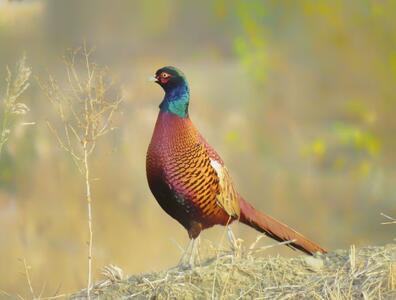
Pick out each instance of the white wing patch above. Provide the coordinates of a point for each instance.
(217, 166)
(227, 197)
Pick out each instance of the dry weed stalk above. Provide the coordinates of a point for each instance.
(86, 108)
(15, 87)
(29, 281)
(391, 219)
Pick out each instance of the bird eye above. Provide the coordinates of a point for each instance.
(165, 75)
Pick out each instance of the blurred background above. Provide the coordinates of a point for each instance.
(298, 97)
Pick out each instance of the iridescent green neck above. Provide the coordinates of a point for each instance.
(176, 100)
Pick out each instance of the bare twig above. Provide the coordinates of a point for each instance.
(5, 293)
(392, 220)
(86, 109)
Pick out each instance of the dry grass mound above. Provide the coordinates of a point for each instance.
(366, 273)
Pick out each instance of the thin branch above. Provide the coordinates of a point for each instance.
(86, 111)
(392, 220)
(5, 293)
(61, 143)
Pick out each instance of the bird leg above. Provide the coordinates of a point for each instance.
(194, 252)
(231, 239)
(235, 244)
(184, 255)
(189, 256)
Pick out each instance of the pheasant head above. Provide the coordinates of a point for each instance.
(177, 92)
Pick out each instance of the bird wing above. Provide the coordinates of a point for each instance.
(198, 177)
(227, 197)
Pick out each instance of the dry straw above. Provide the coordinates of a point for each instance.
(366, 273)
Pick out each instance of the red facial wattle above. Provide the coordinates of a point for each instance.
(164, 80)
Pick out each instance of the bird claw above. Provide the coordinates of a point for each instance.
(184, 267)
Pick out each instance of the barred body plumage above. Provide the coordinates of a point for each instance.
(181, 176)
(188, 178)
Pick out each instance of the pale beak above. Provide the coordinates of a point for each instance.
(153, 78)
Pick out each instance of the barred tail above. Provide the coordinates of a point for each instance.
(275, 229)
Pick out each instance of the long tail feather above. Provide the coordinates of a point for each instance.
(275, 229)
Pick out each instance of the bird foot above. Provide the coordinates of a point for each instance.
(184, 267)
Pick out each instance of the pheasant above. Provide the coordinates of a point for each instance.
(189, 179)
